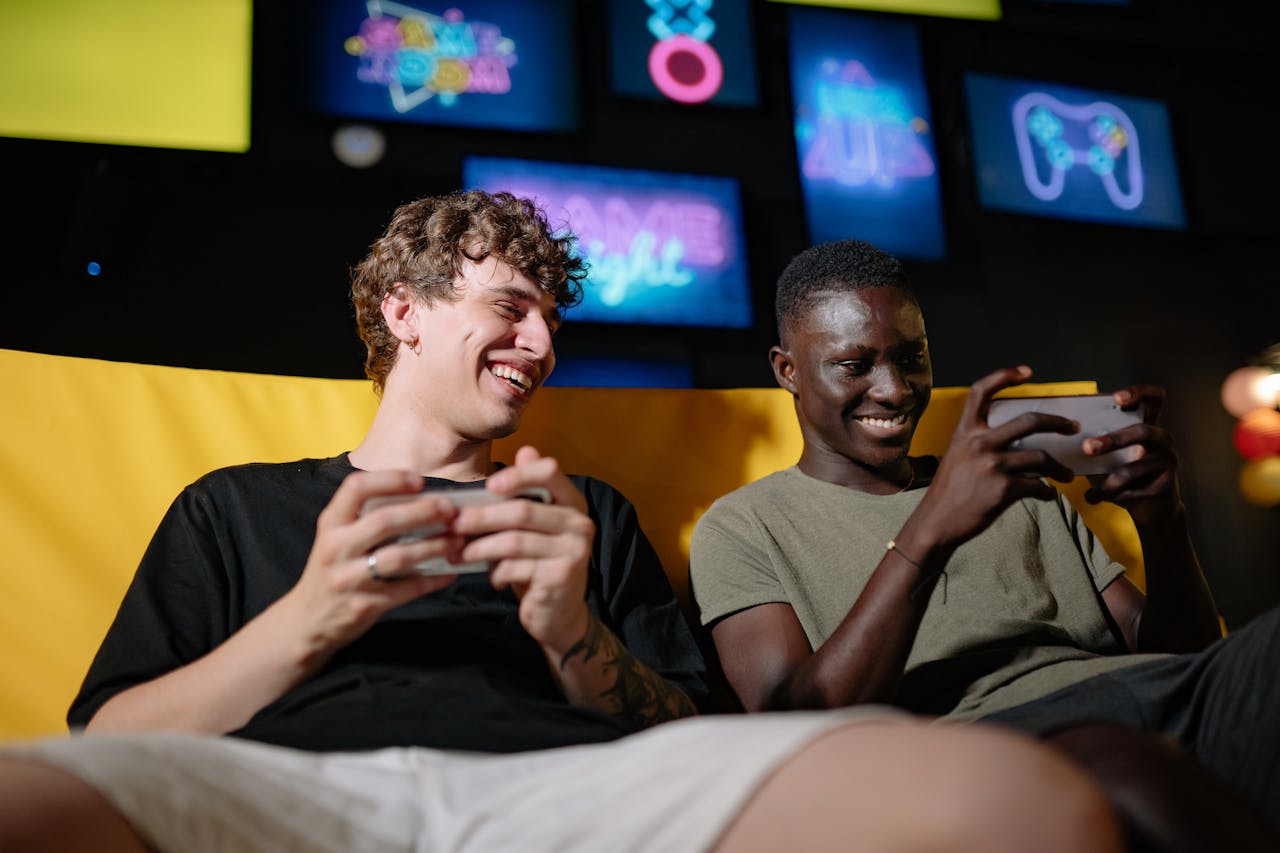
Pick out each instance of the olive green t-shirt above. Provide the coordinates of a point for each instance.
(1021, 617)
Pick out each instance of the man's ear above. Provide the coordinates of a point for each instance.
(784, 368)
(400, 311)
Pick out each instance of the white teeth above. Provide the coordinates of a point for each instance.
(503, 371)
(885, 423)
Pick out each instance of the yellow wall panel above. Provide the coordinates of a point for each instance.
(988, 10)
(166, 73)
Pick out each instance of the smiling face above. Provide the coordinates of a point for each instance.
(483, 354)
(858, 365)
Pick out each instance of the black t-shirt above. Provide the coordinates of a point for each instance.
(451, 670)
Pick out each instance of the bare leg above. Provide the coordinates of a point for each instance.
(1166, 800)
(914, 788)
(43, 808)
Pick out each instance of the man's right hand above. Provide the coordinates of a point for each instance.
(981, 474)
(357, 570)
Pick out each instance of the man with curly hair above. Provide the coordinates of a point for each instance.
(371, 706)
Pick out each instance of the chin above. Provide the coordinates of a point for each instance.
(504, 429)
(496, 426)
(494, 432)
(883, 457)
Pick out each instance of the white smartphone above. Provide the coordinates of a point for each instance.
(460, 497)
(1097, 414)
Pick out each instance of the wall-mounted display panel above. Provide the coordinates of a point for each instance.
(1078, 2)
(127, 72)
(663, 248)
(985, 10)
(690, 52)
(864, 136)
(508, 64)
(573, 370)
(1059, 151)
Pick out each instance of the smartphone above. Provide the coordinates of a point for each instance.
(460, 497)
(1097, 414)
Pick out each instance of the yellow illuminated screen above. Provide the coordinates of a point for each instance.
(987, 10)
(128, 72)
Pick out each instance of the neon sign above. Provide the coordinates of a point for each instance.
(1098, 135)
(632, 247)
(864, 143)
(1050, 150)
(863, 131)
(662, 248)
(418, 56)
(682, 64)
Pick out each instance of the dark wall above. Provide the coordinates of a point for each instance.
(239, 261)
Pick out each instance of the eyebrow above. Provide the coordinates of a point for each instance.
(526, 295)
(909, 345)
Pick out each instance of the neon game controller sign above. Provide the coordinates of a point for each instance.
(1054, 137)
(419, 56)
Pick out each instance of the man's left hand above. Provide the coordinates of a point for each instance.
(539, 550)
(1147, 486)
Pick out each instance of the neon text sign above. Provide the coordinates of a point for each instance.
(418, 56)
(863, 132)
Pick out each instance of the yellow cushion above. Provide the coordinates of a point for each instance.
(93, 452)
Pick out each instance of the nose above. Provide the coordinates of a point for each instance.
(533, 335)
(888, 386)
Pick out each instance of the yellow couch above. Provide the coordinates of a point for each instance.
(92, 452)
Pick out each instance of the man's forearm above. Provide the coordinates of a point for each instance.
(600, 672)
(864, 658)
(219, 692)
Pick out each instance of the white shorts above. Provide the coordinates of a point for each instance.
(675, 787)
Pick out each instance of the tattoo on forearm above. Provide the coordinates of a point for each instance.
(637, 693)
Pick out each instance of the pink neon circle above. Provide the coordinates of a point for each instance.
(673, 88)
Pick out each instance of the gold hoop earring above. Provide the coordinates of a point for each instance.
(416, 347)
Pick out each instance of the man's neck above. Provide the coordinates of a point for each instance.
(398, 441)
(840, 470)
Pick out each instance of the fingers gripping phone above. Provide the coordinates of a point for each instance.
(1097, 414)
(462, 497)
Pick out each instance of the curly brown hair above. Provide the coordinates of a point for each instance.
(427, 242)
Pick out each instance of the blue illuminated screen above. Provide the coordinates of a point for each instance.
(1072, 153)
(864, 137)
(609, 372)
(684, 51)
(486, 63)
(663, 248)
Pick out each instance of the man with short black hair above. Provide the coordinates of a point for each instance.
(968, 587)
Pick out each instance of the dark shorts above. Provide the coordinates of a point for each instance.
(1222, 705)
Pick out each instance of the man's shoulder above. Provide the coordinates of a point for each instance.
(263, 477)
(787, 480)
(593, 486)
(603, 498)
(755, 497)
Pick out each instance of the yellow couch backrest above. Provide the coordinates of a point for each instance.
(92, 452)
